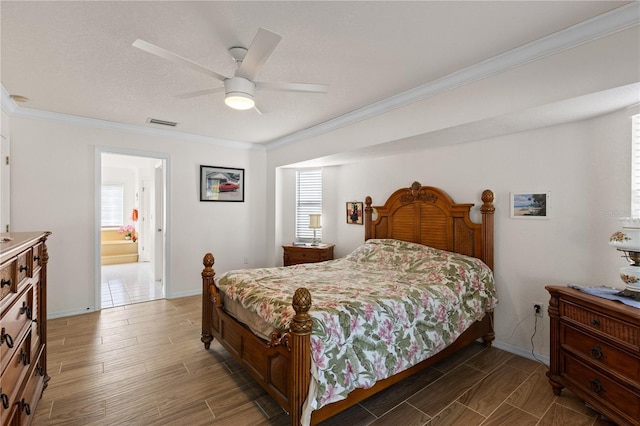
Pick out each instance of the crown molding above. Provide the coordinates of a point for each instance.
(600, 26)
(15, 110)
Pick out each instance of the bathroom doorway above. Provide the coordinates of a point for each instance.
(132, 229)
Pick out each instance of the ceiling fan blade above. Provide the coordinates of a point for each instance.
(261, 48)
(293, 87)
(199, 93)
(177, 59)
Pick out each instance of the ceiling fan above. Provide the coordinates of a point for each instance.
(239, 88)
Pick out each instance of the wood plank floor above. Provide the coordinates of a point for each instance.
(144, 364)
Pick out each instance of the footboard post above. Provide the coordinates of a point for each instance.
(300, 367)
(208, 275)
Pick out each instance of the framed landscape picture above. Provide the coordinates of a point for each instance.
(221, 184)
(531, 205)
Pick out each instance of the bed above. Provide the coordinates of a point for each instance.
(286, 362)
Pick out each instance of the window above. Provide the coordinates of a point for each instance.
(635, 166)
(308, 201)
(112, 205)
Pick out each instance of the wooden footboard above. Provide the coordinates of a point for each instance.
(282, 366)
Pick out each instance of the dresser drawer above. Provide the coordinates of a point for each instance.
(15, 323)
(24, 267)
(599, 352)
(7, 278)
(28, 401)
(37, 257)
(612, 327)
(15, 371)
(602, 389)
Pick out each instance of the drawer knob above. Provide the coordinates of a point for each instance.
(4, 337)
(5, 283)
(5, 399)
(595, 322)
(25, 406)
(39, 370)
(36, 258)
(596, 386)
(24, 268)
(596, 352)
(25, 309)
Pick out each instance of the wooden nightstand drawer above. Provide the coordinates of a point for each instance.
(597, 321)
(599, 352)
(294, 255)
(600, 387)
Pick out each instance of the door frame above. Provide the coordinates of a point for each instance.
(166, 266)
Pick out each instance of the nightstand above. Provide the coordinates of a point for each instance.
(595, 352)
(294, 255)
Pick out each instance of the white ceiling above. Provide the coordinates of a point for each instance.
(76, 57)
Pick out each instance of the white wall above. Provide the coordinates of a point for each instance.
(53, 189)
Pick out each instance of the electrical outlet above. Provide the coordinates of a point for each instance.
(537, 308)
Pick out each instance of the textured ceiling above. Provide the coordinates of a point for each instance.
(76, 57)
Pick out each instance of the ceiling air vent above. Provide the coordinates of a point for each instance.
(162, 122)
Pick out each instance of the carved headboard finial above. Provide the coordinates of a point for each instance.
(416, 194)
(487, 201)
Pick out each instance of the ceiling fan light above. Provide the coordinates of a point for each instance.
(239, 101)
(239, 93)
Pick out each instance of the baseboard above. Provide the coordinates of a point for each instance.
(183, 294)
(54, 315)
(525, 353)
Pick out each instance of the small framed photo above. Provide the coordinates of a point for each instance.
(354, 212)
(531, 205)
(221, 184)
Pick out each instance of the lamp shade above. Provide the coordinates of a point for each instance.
(315, 221)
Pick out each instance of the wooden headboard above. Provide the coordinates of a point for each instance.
(427, 215)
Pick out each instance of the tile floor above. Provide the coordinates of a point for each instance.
(144, 364)
(129, 283)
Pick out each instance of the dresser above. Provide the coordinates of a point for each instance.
(293, 255)
(23, 313)
(595, 352)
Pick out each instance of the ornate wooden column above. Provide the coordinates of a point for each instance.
(487, 209)
(300, 367)
(208, 275)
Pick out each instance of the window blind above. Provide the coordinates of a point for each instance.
(635, 166)
(308, 201)
(112, 205)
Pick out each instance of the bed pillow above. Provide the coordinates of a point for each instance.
(401, 255)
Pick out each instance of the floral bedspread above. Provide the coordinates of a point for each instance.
(385, 307)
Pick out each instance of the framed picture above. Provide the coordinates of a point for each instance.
(531, 205)
(354, 212)
(221, 184)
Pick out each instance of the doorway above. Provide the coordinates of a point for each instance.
(131, 222)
